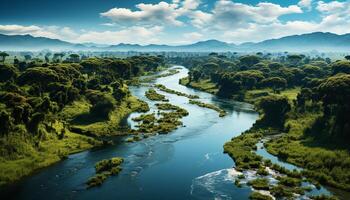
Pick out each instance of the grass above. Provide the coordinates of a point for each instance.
(167, 122)
(151, 94)
(259, 196)
(111, 125)
(165, 89)
(241, 150)
(253, 96)
(325, 165)
(203, 85)
(104, 169)
(259, 184)
(154, 77)
(30, 157)
(221, 112)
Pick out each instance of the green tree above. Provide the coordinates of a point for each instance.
(276, 83)
(274, 109)
(8, 73)
(249, 61)
(341, 67)
(3, 56)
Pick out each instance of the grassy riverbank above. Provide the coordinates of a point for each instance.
(50, 110)
(204, 85)
(221, 112)
(53, 148)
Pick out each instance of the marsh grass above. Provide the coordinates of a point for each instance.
(170, 91)
(221, 112)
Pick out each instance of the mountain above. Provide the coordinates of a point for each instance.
(298, 43)
(28, 42)
(306, 42)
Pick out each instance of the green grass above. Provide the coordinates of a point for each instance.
(326, 165)
(203, 85)
(221, 112)
(151, 94)
(110, 126)
(241, 150)
(252, 96)
(259, 184)
(104, 169)
(259, 196)
(165, 89)
(29, 158)
(167, 121)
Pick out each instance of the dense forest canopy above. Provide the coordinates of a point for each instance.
(322, 82)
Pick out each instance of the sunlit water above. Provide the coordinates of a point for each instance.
(187, 163)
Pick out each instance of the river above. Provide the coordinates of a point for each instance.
(187, 163)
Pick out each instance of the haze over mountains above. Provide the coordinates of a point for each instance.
(306, 42)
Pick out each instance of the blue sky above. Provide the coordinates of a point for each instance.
(171, 21)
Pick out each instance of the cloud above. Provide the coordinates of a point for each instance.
(135, 34)
(18, 29)
(305, 4)
(228, 14)
(333, 7)
(55, 32)
(148, 14)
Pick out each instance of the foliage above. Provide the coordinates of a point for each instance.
(221, 112)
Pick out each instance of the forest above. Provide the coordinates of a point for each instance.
(52, 107)
(303, 106)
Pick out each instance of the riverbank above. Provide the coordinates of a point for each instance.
(292, 146)
(75, 138)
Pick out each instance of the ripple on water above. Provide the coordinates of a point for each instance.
(218, 185)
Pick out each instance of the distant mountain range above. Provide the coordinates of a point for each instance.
(306, 42)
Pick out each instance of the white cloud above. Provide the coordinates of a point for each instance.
(135, 34)
(148, 14)
(305, 4)
(228, 14)
(18, 29)
(332, 7)
(55, 32)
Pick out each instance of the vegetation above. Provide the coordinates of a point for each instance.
(303, 99)
(259, 184)
(221, 112)
(259, 196)
(151, 94)
(164, 123)
(52, 108)
(165, 89)
(104, 169)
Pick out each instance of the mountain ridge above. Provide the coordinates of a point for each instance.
(321, 41)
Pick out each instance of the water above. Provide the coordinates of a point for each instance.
(187, 163)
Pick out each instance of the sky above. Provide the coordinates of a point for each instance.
(171, 21)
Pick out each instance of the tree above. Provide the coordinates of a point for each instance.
(294, 60)
(249, 61)
(6, 122)
(3, 56)
(7, 72)
(276, 83)
(122, 68)
(57, 57)
(47, 57)
(341, 67)
(274, 109)
(74, 57)
(27, 57)
(347, 57)
(38, 75)
(335, 94)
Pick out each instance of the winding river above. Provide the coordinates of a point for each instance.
(187, 163)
